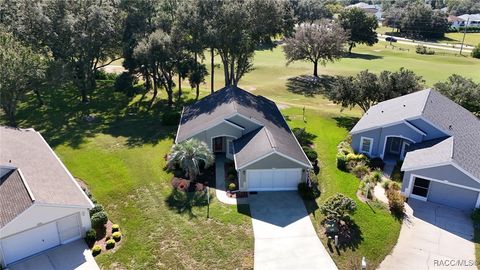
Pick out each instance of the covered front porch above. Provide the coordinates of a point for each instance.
(395, 148)
(223, 145)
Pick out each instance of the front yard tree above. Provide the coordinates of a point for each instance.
(318, 43)
(338, 207)
(190, 155)
(20, 70)
(367, 89)
(360, 26)
(463, 91)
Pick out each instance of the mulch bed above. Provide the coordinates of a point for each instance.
(108, 235)
(187, 185)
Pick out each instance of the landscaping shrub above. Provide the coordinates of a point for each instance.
(311, 154)
(345, 148)
(110, 244)
(115, 228)
(360, 170)
(170, 118)
(476, 51)
(366, 188)
(386, 184)
(231, 177)
(394, 185)
(97, 208)
(342, 162)
(117, 236)
(232, 186)
(338, 207)
(396, 202)
(125, 84)
(374, 177)
(308, 193)
(476, 215)
(376, 163)
(232, 170)
(99, 220)
(90, 237)
(356, 157)
(420, 49)
(96, 250)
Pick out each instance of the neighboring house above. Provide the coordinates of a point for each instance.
(375, 10)
(438, 139)
(469, 20)
(251, 131)
(455, 22)
(41, 204)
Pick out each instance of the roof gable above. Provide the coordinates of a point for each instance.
(14, 196)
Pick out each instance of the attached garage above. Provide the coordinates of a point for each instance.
(273, 179)
(30, 242)
(432, 190)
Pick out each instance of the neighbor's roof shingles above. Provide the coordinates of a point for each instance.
(48, 180)
(14, 196)
(275, 135)
(453, 119)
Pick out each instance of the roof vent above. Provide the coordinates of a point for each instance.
(9, 161)
(450, 127)
(382, 111)
(404, 105)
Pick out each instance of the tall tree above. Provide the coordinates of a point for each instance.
(20, 71)
(310, 11)
(241, 26)
(463, 91)
(82, 35)
(360, 26)
(367, 89)
(419, 20)
(318, 43)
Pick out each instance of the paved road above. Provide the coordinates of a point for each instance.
(431, 235)
(466, 49)
(284, 235)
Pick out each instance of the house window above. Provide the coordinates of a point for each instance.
(366, 145)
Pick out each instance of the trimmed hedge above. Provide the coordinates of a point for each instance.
(232, 186)
(342, 162)
(308, 193)
(99, 220)
(90, 237)
(96, 250)
(310, 153)
(97, 208)
(117, 236)
(110, 244)
(115, 228)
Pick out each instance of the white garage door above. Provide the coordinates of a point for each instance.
(69, 228)
(273, 179)
(27, 243)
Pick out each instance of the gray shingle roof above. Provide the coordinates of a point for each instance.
(429, 152)
(14, 197)
(459, 123)
(48, 180)
(275, 135)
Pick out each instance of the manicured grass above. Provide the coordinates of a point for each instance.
(121, 157)
(378, 229)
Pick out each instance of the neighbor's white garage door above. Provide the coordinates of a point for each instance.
(27, 243)
(273, 179)
(36, 240)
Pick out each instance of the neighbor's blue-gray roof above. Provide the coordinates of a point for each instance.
(461, 125)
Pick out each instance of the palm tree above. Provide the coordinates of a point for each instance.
(188, 155)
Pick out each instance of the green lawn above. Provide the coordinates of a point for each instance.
(120, 156)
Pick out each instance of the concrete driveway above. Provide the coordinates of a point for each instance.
(75, 255)
(433, 237)
(284, 235)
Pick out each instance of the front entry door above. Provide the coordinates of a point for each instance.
(218, 145)
(405, 145)
(395, 144)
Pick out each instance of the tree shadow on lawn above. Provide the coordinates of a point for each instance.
(362, 56)
(349, 238)
(64, 119)
(346, 122)
(183, 202)
(309, 85)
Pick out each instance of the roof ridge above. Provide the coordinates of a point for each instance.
(270, 138)
(426, 100)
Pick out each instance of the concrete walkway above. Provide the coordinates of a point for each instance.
(433, 237)
(220, 189)
(388, 168)
(284, 235)
(75, 255)
(379, 193)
